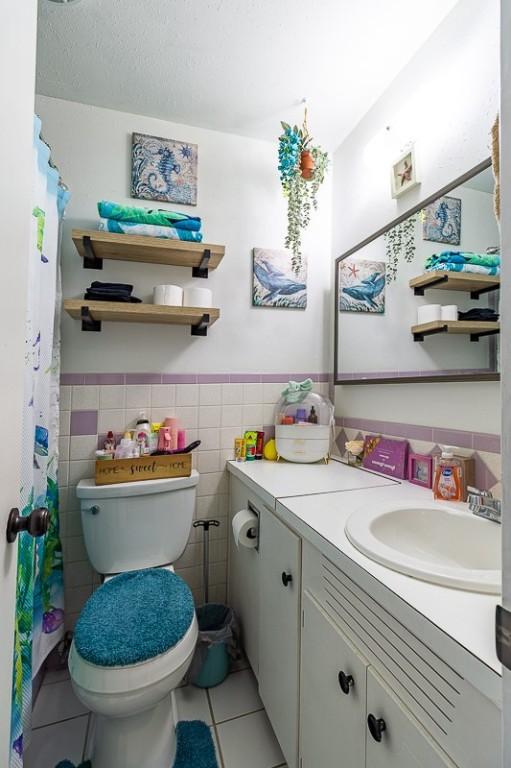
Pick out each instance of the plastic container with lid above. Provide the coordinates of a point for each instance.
(303, 428)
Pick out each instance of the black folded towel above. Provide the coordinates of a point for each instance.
(482, 314)
(119, 287)
(100, 296)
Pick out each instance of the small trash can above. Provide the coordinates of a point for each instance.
(218, 630)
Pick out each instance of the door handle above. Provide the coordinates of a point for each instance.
(346, 682)
(36, 523)
(376, 726)
(286, 578)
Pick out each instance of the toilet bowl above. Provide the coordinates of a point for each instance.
(136, 635)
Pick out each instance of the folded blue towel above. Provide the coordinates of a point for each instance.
(149, 230)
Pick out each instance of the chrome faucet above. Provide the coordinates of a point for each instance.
(482, 504)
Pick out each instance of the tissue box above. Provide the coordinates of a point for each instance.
(390, 457)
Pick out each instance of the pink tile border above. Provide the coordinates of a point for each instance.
(69, 379)
(478, 441)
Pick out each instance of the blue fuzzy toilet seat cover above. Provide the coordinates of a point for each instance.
(134, 617)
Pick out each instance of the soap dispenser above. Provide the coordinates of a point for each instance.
(447, 485)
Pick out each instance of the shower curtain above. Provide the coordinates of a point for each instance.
(39, 620)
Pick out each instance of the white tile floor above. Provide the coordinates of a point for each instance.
(240, 728)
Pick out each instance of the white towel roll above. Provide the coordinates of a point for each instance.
(197, 297)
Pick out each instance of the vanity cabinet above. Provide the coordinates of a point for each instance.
(333, 694)
(279, 629)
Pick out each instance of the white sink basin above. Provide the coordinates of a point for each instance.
(433, 543)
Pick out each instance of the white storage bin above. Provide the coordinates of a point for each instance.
(303, 429)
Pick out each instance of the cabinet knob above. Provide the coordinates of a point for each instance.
(286, 578)
(346, 682)
(36, 523)
(376, 727)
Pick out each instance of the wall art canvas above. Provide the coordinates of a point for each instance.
(404, 176)
(274, 283)
(362, 286)
(163, 169)
(441, 221)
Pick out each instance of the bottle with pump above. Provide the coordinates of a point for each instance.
(447, 485)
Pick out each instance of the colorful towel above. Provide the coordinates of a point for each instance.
(149, 230)
(477, 269)
(462, 257)
(158, 217)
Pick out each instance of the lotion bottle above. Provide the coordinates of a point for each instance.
(447, 485)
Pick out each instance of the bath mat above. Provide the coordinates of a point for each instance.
(195, 747)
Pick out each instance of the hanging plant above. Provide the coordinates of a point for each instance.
(302, 169)
(399, 243)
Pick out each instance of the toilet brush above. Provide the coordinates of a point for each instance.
(205, 524)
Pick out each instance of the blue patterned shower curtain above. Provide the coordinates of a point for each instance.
(39, 621)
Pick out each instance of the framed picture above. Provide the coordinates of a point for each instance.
(274, 283)
(404, 173)
(420, 470)
(441, 221)
(362, 286)
(163, 169)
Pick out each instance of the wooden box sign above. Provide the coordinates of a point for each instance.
(143, 468)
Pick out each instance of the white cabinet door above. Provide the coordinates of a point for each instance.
(395, 738)
(244, 578)
(333, 695)
(279, 630)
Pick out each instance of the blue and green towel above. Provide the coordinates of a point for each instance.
(464, 261)
(134, 220)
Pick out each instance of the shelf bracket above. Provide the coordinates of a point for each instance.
(477, 336)
(202, 269)
(481, 291)
(419, 291)
(420, 336)
(88, 322)
(201, 328)
(90, 260)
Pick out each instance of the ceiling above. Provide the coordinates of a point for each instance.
(238, 66)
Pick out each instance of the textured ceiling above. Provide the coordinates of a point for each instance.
(232, 65)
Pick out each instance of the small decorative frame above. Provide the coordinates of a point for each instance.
(404, 175)
(420, 470)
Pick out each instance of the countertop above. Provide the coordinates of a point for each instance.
(316, 502)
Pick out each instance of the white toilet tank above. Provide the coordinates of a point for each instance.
(130, 526)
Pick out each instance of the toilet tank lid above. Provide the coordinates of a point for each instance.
(87, 488)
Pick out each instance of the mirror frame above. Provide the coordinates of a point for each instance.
(338, 380)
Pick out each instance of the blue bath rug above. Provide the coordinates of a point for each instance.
(195, 747)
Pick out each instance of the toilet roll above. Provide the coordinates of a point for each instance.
(174, 295)
(159, 294)
(428, 313)
(245, 529)
(197, 297)
(450, 312)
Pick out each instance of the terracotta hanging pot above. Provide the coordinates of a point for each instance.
(307, 164)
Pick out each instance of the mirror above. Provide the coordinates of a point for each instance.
(402, 296)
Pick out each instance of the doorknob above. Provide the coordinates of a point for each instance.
(376, 726)
(286, 578)
(346, 682)
(36, 523)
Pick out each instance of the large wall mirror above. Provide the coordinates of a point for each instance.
(418, 301)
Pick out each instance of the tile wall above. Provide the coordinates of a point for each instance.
(213, 408)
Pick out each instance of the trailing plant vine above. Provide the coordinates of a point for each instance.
(399, 243)
(301, 191)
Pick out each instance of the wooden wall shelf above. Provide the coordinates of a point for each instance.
(93, 313)
(475, 330)
(95, 245)
(441, 280)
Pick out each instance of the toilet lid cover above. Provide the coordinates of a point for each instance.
(134, 617)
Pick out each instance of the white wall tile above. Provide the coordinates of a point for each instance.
(63, 473)
(268, 414)
(83, 447)
(79, 470)
(208, 461)
(114, 420)
(73, 550)
(188, 416)
(65, 398)
(252, 414)
(211, 483)
(160, 414)
(112, 396)
(163, 395)
(228, 436)
(187, 394)
(210, 394)
(78, 575)
(232, 394)
(210, 415)
(64, 448)
(138, 396)
(75, 597)
(272, 392)
(70, 525)
(207, 506)
(210, 439)
(85, 398)
(231, 415)
(65, 422)
(252, 393)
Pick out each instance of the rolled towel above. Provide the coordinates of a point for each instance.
(149, 230)
(137, 215)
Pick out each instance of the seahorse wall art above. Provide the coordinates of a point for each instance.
(164, 170)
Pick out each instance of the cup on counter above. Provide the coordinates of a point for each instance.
(197, 297)
(168, 295)
(449, 312)
(429, 313)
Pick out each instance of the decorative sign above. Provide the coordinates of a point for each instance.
(143, 468)
(386, 456)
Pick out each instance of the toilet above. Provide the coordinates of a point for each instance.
(136, 635)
